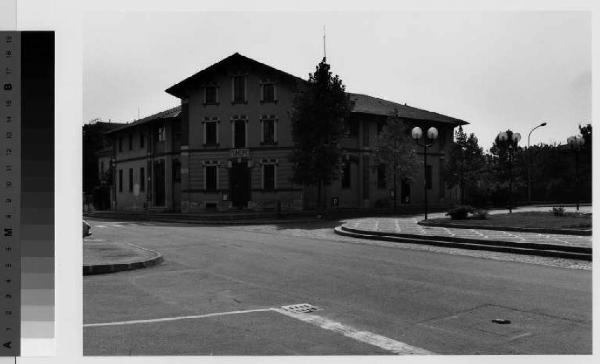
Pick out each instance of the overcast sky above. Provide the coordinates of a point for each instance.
(496, 70)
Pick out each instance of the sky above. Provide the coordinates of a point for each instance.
(495, 70)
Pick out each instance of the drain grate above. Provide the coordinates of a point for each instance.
(301, 308)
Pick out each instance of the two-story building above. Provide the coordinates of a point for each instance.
(227, 147)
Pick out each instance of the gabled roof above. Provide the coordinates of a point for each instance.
(375, 106)
(170, 113)
(179, 89)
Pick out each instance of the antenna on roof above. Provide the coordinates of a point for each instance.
(138, 113)
(324, 45)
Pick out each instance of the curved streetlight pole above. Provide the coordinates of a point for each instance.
(428, 139)
(513, 141)
(529, 161)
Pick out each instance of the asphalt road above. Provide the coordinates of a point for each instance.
(372, 298)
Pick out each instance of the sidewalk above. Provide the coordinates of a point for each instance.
(407, 230)
(100, 257)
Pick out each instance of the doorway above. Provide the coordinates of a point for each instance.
(159, 183)
(239, 182)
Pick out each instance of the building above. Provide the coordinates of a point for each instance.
(97, 152)
(227, 145)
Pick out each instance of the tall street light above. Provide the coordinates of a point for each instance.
(576, 142)
(529, 162)
(513, 140)
(427, 141)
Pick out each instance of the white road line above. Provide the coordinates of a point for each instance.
(367, 337)
(177, 318)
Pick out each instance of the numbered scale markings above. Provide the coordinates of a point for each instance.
(10, 256)
(26, 193)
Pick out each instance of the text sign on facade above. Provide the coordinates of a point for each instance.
(240, 153)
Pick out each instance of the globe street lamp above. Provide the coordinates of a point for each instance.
(427, 141)
(576, 142)
(513, 140)
(529, 162)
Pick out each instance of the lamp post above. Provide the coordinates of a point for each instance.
(513, 140)
(576, 142)
(529, 161)
(428, 139)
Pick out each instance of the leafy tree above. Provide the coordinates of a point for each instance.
(465, 163)
(396, 150)
(586, 133)
(506, 160)
(318, 124)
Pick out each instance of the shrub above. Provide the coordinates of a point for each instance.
(480, 214)
(459, 212)
(558, 211)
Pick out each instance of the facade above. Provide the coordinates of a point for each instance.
(227, 146)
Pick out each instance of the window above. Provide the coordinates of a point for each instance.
(268, 135)
(268, 92)
(120, 144)
(130, 179)
(442, 137)
(380, 125)
(211, 178)
(269, 177)
(428, 176)
(210, 95)
(381, 177)
(353, 128)
(120, 180)
(130, 141)
(160, 134)
(176, 172)
(142, 140)
(346, 175)
(239, 133)
(239, 89)
(101, 168)
(210, 133)
(142, 179)
(365, 134)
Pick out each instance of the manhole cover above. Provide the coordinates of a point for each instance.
(493, 321)
(301, 308)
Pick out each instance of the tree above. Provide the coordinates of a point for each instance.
(318, 124)
(508, 168)
(465, 163)
(396, 150)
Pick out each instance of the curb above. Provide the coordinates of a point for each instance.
(93, 269)
(578, 232)
(545, 250)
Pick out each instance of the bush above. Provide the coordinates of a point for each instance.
(459, 212)
(480, 214)
(558, 211)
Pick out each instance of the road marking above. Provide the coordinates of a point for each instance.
(176, 318)
(367, 337)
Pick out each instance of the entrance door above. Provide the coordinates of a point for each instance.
(405, 194)
(239, 182)
(159, 183)
(176, 178)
